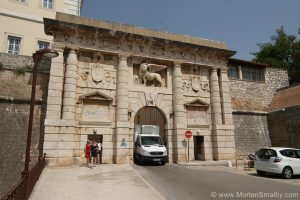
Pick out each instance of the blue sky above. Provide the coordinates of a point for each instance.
(241, 24)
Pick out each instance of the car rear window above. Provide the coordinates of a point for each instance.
(291, 153)
(266, 153)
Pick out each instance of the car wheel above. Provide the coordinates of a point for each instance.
(163, 163)
(261, 173)
(287, 173)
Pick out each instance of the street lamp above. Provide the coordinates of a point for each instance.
(37, 57)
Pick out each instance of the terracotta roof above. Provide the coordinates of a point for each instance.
(286, 97)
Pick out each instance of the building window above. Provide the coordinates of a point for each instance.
(43, 45)
(13, 45)
(21, 1)
(253, 74)
(47, 4)
(233, 72)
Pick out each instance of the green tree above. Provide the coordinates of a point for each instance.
(283, 51)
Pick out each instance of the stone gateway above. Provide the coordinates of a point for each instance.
(110, 77)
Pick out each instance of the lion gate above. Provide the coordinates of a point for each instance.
(107, 72)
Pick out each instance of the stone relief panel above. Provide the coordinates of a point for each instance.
(149, 74)
(96, 75)
(150, 98)
(95, 111)
(196, 115)
(195, 81)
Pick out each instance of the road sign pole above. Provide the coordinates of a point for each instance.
(188, 149)
(188, 135)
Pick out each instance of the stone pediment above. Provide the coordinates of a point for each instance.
(197, 103)
(95, 96)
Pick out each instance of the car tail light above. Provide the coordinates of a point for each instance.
(277, 160)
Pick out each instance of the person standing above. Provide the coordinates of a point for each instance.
(99, 153)
(87, 151)
(94, 152)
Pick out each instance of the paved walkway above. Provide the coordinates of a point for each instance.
(103, 182)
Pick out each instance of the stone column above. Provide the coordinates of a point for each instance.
(70, 84)
(215, 111)
(122, 123)
(55, 87)
(226, 98)
(215, 98)
(179, 118)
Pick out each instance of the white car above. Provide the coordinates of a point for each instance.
(279, 160)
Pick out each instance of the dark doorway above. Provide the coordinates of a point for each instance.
(98, 139)
(199, 147)
(151, 116)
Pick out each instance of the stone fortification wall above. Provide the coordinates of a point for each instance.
(257, 96)
(251, 132)
(284, 127)
(15, 84)
(251, 101)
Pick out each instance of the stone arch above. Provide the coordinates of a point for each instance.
(151, 115)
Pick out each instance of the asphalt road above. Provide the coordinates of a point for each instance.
(187, 183)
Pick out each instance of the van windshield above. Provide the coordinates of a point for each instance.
(151, 140)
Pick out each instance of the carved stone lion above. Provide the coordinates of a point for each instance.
(147, 72)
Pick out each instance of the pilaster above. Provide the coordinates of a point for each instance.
(70, 85)
(179, 118)
(121, 154)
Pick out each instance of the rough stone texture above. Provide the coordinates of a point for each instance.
(251, 132)
(286, 97)
(14, 111)
(257, 96)
(284, 126)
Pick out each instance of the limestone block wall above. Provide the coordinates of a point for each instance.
(257, 96)
(15, 84)
(253, 99)
(103, 124)
(284, 126)
(251, 132)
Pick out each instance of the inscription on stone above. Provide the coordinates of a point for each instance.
(95, 112)
(197, 115)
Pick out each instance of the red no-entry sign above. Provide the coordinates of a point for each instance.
(188, 134)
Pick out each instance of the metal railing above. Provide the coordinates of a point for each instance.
(22, 190)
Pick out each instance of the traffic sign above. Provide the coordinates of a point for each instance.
(188, 134)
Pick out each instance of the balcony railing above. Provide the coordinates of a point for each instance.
(22, 190)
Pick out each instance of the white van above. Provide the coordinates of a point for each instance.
(149, 146)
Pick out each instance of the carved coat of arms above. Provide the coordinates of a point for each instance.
(196, 85)
(97, 73)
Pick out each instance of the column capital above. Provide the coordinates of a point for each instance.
(214, 69)
(71, 49)
(224, 69)
(177, 63)
(123, 55)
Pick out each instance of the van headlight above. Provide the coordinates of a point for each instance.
(165, 153)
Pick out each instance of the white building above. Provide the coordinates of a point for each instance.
(21, 22)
